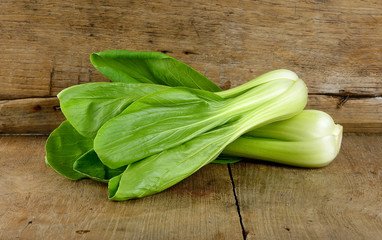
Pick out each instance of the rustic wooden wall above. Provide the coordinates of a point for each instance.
(335, 46)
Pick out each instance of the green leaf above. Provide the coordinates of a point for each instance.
(226, 159)
(72, 155)
(90, 165)
(162, 170)
(89, 106)
(113, 184)
(63, 147)
(149, 67)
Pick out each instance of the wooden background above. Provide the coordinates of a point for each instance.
(335, 46)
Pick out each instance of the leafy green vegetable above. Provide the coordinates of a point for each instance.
(159, 122)
(173, 116)
(164, 169)
(149, 67)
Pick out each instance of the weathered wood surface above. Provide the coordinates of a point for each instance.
(340, 201)
(335, 46)
(354, 114)
(31, 115)
(38, 203)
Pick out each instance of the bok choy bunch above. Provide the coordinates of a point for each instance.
(159, 121)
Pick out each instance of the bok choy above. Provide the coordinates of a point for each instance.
(159, 121)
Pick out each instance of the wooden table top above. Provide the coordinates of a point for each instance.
(246, 200)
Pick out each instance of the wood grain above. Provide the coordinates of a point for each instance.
(354, 114)
(31, 115)
(42, 115)
(340, 201)
(38, 203)
(333, 45)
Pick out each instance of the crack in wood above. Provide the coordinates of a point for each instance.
(340, 95)
(51, 80)
(244, 233)
(26, 98)
(352, 95)
(343, 101)
(344, 96)
(355, 114)
(165, 51)
(189, 52)
(193, 25)
(82, 231)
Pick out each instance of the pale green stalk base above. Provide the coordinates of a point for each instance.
(310, 139)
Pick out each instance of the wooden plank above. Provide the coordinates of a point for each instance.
(31, 115)
(41, 115)
(340, 201)
(334, 46)
(354, 114)
(38, 203)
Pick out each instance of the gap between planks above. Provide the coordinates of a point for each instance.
(42, 115)
(244, 233)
